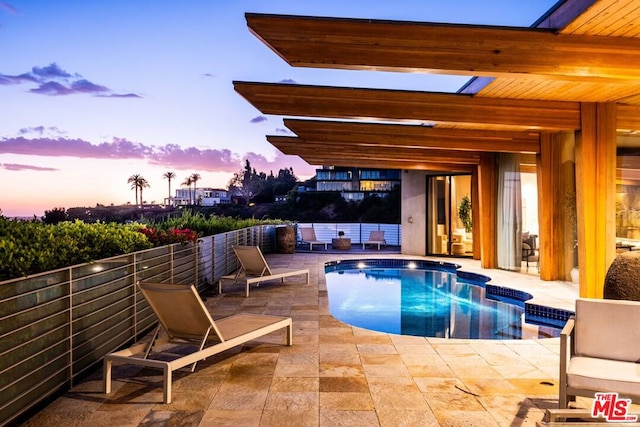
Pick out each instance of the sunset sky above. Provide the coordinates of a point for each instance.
(92, 92)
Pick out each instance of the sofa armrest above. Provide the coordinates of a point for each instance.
(567, 338)
(567, 347)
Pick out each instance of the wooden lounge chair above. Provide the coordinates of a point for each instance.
(599, 350)
(254, 269)
(309, 236)
(186, 320)
(375, 238)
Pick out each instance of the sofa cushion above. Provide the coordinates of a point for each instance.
(608, 329)
(604, 375)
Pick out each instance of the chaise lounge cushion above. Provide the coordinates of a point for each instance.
(604, 375)
(608, 331)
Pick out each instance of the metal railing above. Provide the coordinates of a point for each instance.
(357, 232)
(55, 327)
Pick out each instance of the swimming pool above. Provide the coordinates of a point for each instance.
(433, 299)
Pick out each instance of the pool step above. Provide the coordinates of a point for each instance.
(513, 331)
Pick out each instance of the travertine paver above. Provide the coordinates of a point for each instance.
(334, 374)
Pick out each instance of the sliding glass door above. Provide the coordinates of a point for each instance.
(449, 215)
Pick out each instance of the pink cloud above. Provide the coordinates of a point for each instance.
(170, 155)
(19, 167)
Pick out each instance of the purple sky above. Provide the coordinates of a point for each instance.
(93, 92)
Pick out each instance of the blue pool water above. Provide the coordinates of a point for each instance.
(430, 299)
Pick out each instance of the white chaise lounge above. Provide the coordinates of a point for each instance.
(254, 269)
(184, 320)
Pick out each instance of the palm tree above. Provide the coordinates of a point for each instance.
(194, 179)
(133, 180)
(169, 175)
(187, 182)
(142, 183)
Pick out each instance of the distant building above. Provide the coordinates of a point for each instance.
(357, 183)
(203, 197)
(306, 186)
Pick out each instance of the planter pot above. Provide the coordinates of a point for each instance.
(286, 239)
(341, 243)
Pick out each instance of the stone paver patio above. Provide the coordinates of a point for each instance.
(334, 374)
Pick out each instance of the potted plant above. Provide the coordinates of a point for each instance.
(341, 242)
(464, 213)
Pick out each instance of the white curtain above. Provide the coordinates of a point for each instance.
(509, 230)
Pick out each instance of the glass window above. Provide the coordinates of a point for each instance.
(628, 192)
(375, 174)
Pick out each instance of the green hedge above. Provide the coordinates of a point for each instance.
(29, 247)
(208, 225)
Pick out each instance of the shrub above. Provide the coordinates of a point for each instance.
(173, 235)
(207, 225)
(29, 247)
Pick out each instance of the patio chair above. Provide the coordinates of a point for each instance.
(185, 320)
(530, 249)
(600, 350)
(254, 269)
(375, 238)
(309, 236)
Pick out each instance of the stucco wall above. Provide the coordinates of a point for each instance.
(414, 208)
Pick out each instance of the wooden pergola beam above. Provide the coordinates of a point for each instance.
(388, 164)
(413, 136)
(397, 105)
(297, 146)
(471, 50)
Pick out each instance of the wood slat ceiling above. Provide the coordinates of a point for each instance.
(618, 20)
(505, 87)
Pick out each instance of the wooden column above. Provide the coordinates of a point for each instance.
(487, 193)
(595, 195)
(556, 204)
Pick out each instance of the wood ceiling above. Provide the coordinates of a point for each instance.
(531, 80)
(617, 20)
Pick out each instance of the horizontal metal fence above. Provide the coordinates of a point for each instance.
(56, 327)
